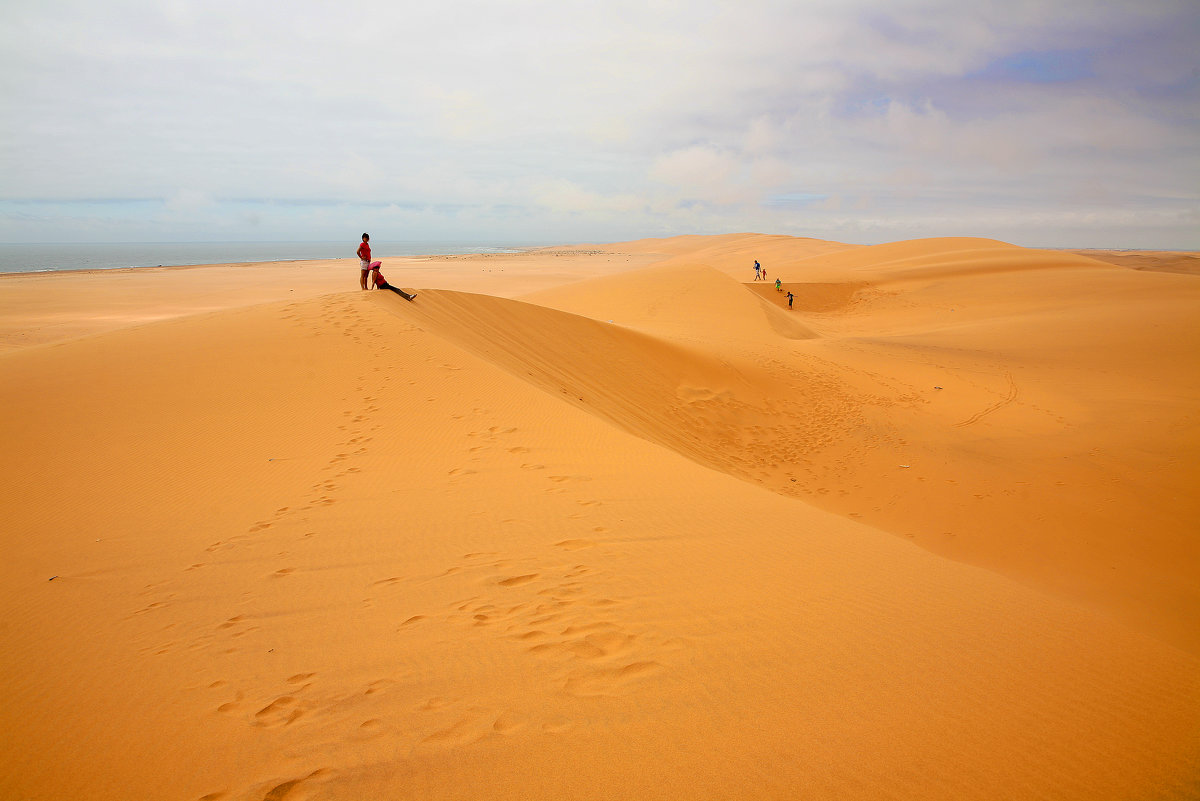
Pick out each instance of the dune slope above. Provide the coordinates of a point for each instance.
(1020, 410)
(350, 547)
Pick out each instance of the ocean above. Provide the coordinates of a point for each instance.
(38, 257)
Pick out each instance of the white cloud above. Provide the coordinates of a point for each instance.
(570, 120)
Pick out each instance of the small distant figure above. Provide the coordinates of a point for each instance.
(379, 282)
(778, 285)
(790, 298)
(364, 259)
(757, 271)
(764, 273)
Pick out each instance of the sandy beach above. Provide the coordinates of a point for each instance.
(606, 521)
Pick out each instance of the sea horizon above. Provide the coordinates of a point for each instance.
(37, 257)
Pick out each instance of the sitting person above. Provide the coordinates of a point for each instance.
(379, 282)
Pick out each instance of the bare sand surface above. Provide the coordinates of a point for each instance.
(605, 522)
(1186, 262)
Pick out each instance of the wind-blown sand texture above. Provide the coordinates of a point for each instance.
(605, 522)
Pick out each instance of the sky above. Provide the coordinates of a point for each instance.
(1073, 123)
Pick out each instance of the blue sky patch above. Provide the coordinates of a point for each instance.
(1047, 66)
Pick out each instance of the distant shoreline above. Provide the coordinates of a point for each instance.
(33, 258)
(1185, 262)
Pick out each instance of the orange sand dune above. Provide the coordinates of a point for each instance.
(1019, 409)
(1186, 262)
(48, 307)
(341, 546)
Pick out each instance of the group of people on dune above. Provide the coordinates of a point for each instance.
(372, 267)
(760, 274)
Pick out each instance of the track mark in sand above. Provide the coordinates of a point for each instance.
(229, 707)
(555, 614)
(575, 545)
(608, 681)
(516, 581)
(297, 697)
(237, 626)
(477, 724)
(1000, 404)
(153, 606)
(283, 790)
(222, 545)
(283, 711)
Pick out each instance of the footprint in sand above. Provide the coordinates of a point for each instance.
(229, 707)
(575, 545)
(282, 790)
(283, 711)
(586, 682)
(369, 729)
(476, 725)
(517, 581)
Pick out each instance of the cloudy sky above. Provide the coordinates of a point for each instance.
(1072, 123)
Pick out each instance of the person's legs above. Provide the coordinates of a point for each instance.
(400, 292)
(365, 268)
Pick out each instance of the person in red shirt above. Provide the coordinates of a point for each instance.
(364, 259)
(379, 282)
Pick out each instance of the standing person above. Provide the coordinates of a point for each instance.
(757, 271)
(364, 259)
(790, 296)
(778, 285)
